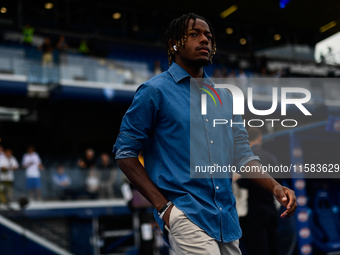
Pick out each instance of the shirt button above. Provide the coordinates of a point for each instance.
(217, 187)
(211, 141)
(206, 120)
(220, 208)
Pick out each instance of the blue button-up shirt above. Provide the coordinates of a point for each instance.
(165, 121)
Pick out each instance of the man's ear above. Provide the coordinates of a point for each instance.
(171, 44)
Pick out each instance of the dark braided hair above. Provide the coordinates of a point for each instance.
(177, 31)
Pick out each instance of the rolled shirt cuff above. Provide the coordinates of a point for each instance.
(126, 147)
(245, 160)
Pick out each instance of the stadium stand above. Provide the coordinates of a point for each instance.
(79, 100)
(325, 222)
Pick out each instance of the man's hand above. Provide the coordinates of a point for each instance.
(166, 216)
(287, 198)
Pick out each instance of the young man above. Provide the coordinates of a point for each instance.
(32, 163)
(8, 164)
(87, 162)
(62, 182)
(198, 215)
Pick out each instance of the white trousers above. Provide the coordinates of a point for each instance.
(186, 238)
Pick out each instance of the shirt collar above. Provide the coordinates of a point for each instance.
(178, 73)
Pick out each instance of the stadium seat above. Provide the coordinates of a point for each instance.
(325, 223)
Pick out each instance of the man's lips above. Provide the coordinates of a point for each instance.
(204, 49)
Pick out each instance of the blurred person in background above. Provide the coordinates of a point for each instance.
(32, 163)
(27, 32)
(83, 48)
(261, 222)
(264, 72)
(87, 162)
(217, 73)
(47, 52)
(108, 175)
(1, 151)
(62, 182)
(242, 74)
(92, 184)
(197, 216)
(62, 45)
(242, 80)
(224, 72)
(232, 74)
(8, 164)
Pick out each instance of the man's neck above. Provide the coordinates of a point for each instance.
(195, 72)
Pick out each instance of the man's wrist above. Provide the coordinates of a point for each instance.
(276, 186)
(163, 209)
(162, 213)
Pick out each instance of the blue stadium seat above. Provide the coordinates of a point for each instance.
(325, 223)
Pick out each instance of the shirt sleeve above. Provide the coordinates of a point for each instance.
(242, 151)
(2, 162)
(38, 159)
(137, 123)
(24, 161)
(15, 163)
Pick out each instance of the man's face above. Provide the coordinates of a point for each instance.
(105, 157)
(89, 154)
(8, 153)
(197, 48)
(61, 170)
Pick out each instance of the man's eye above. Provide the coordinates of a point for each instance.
(209, 38)
(193, 34)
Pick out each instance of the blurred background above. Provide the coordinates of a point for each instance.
(68, 73)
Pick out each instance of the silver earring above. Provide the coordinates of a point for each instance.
(175, 47)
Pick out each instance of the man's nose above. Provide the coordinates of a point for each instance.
(204, 39)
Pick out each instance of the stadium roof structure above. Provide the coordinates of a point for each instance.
(310, 15)
(318, 140)
(297, 22)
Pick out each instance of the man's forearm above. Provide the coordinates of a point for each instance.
(138, 176)
(284, 195)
